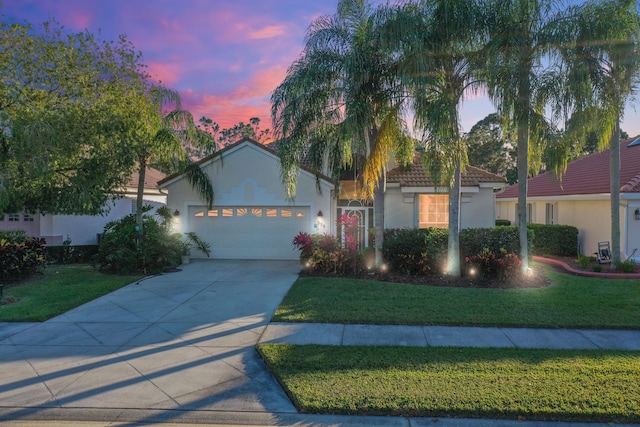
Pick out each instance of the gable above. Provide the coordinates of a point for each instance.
(246, 162)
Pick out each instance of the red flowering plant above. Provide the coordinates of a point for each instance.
(484, 262)
(349, 224)
(304, 244)
(508, 265)
(489, 265)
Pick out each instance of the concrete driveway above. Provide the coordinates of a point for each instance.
(179, 341)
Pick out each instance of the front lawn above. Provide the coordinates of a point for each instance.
(460, 382)
(570, 302)
(59, 289)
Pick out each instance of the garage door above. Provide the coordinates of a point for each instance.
(255, 232)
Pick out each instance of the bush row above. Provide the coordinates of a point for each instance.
(71, 254)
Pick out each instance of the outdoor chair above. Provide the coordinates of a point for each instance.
(604, 253)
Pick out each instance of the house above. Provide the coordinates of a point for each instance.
(252, 217)
(84, 229)
(582, 199)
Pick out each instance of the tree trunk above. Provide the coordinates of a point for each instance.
(522, 111)
(453, 253)
(378, 217)
(614, 175)
(142, 169)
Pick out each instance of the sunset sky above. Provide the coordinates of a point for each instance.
(225, 57)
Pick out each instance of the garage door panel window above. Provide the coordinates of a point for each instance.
(238, 212)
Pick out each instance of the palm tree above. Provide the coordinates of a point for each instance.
(339, 100)
(521, 75)
(605, 61)
(439, 40)
(160, 142)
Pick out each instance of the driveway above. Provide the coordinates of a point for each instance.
(179, 341)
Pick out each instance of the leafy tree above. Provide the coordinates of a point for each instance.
(228, 136)
(490, 148)
(521, 75)
(66, 118)
(341, 99)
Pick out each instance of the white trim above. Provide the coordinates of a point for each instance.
(574, 197)
(437, 190)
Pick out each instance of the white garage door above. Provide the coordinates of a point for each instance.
(255, 232)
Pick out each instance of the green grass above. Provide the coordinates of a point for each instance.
(62, 288)
(571, 302)
(598, 386)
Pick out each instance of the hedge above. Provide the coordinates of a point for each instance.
(559, 240)
(68, 254)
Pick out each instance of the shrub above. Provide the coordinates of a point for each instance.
(628, 266)
(70, 254)
(21, 257)
(415, 251)
(584, 261)
(323, 254)
(124, 249)
(475, 240)
(502, 222)
(560, 240)
(504, 265)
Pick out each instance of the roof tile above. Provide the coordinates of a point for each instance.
(587, 175)
(415, 175)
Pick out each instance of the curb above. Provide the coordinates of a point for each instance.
(583, 273)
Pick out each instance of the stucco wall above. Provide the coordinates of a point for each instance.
(399, 213)
(590, 217)
(477, 209)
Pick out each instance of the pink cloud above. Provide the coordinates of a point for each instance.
(168, 73)
(262, 83)
(267, 32)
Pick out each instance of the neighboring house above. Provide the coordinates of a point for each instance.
(252, 217)
(84, 229)
(582, 199)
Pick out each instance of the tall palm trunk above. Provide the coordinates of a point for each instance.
(378, 217)
(522, 112)
(453, 257)
(614, 189)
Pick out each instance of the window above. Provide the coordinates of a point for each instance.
(28, 218)
(14, 217)
(285, 213)
(433, 210)
(257, 212)
(271, 213)
(227, 212)
(551, 213)
(212, 212)
(199, 214)
(242, 212)
(530, 213)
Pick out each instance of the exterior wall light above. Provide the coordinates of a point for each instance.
(176, 213)
(637, 214)
(320, 214)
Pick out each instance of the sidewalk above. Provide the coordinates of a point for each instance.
(444, 336)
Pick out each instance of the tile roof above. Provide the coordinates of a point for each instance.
(415, 175)
(588, 175)
(151, 178)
